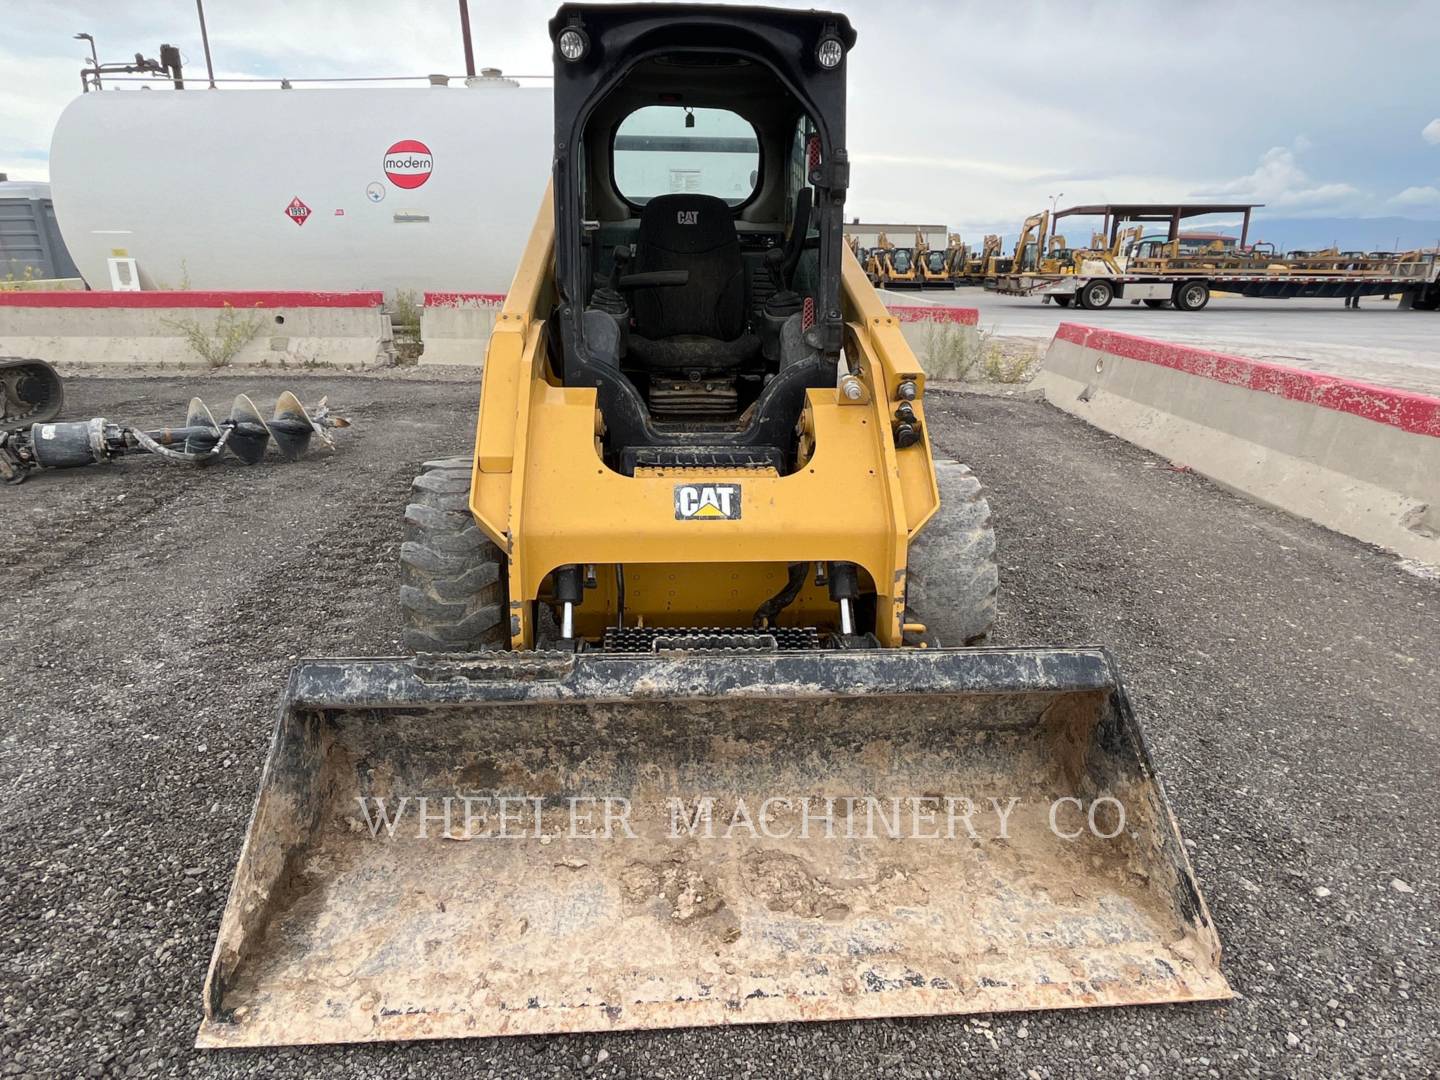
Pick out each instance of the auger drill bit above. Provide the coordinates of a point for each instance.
(249, 435)
(201, 441)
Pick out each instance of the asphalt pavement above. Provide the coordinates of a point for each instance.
(1376, 343)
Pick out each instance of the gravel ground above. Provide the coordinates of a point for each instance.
(1286, 676)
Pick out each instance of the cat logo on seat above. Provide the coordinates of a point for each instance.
(687, 217)
(707, 502)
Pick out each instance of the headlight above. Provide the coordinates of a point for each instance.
(829, 53)
(574, 43)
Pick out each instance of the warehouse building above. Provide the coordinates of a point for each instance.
(868, 234)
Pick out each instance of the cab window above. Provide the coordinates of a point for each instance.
(670, 149)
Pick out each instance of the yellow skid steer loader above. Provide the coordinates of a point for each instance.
(699, 726)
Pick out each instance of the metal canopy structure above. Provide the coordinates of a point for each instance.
(1117, 214)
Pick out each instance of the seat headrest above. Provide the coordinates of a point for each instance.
(686, 224)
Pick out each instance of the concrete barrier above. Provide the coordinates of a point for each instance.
(946, 340)
(73, 284)
(1362, 460)
(455, 327)
(197, 329)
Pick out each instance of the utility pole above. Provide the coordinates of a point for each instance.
(465, 33)
(205, 40)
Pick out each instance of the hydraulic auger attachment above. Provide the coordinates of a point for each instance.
(245, 433)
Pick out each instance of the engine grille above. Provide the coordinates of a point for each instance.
(644, 639)
(719, 459)
(715, 396)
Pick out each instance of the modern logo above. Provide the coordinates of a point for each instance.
(707, 502)
(297, 211)
(408, 163)
(687, 217)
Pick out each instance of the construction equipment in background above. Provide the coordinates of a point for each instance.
(874, 263)
(701, 569)
(245, 433)
(892, 267)
(30, 393)
(976, 264)
(1030, 244)
(995, 263)
(957, 253)
(932, 264)
(1183, 271)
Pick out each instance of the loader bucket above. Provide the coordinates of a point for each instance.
(674, 839)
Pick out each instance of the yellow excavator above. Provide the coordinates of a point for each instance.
(699, 725)
(957, 254)
(972, 266)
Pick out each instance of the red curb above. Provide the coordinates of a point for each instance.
(965, 316)
(464, 299)
(1404, 409)
(190, 299)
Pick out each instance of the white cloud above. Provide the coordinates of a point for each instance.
(1418, 196)
(1280, 182)
(1431, 131)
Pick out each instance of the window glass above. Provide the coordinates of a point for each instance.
(656, 154)
(798, 175)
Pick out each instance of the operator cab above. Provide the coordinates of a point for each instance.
(699, 196)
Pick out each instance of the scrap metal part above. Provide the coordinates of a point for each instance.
(766, 861)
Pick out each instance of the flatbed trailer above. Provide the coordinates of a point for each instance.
(1189, 289)
(1159, 269)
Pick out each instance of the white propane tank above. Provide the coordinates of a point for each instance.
(430, 188)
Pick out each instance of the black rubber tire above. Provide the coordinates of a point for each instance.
(1191, 295)
(452, 576)
(952, 578)
(1096, 295)
(1156, 303)
(1063, 301)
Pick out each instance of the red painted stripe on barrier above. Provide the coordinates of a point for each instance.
(1405, 409)
(903, 313)
(185, 298)
(939, 313)
(464, 299)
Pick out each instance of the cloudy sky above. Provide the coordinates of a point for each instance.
(971, 114)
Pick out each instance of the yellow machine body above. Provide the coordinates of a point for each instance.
(543, 494)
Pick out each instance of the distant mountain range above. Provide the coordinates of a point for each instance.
(1348, 234)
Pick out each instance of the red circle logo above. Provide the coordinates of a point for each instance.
(408, 163)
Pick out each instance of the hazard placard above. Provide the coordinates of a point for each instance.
(297, 211)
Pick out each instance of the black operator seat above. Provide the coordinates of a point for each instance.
(699, 326)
